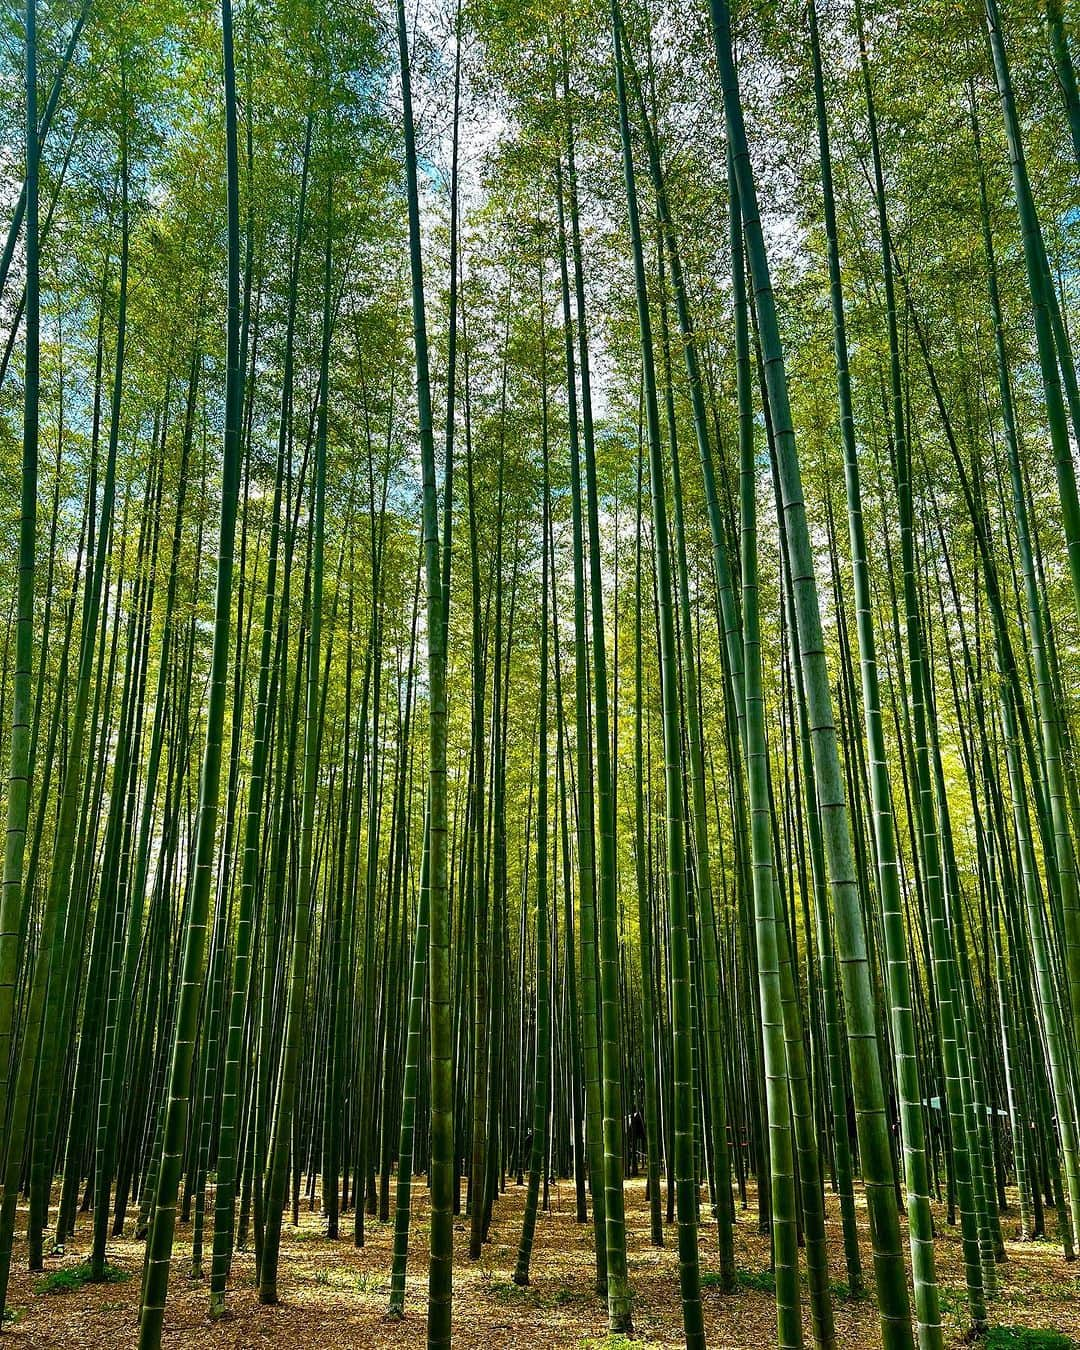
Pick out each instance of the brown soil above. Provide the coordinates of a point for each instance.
(334, 1295)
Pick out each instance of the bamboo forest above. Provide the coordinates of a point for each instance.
(540, 674)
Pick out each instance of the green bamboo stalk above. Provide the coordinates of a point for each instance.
(442, 1099)
(867, 1085)
(785, 1253)
(585, 820)
(541, 1071)
(679, 952)
(920, 1220)
(160, 1240)
(18, 795)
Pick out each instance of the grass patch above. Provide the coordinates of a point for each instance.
(839, 1289)
(505, 1291)
(363, 1281)
(611, 1343)
(952, 1301)
(764, 1281)
(1027, 1338)
(69, 1278)
(563, 1296)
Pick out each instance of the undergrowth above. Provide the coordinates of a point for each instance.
(1027, 1338)
(69, 1278)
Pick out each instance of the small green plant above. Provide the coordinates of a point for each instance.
(367, 1282)
(762, 1280)
(952, 1301)
(508, 1292)
(13, 1315)
(1027, 1338)
(839, 1289)
(69, 1278)
(611, 1342)
(322, 1275)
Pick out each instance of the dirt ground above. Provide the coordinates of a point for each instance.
(333, 1295)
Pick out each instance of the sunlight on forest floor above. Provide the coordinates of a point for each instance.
(335, 1295)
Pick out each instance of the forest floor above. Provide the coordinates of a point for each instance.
(334, 1295)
